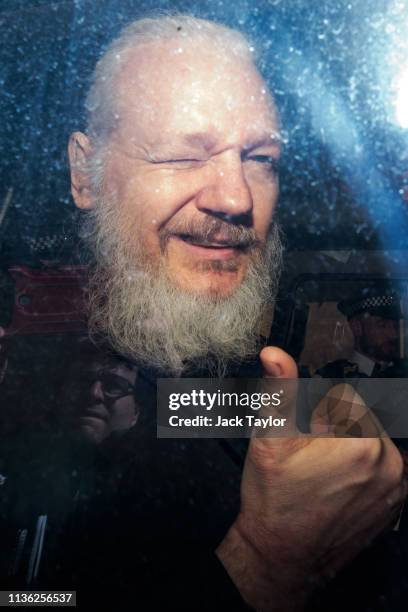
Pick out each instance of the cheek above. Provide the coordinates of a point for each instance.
(150, 199)
(123, 412)
(137, 210)
(264, 201)
(167, 193)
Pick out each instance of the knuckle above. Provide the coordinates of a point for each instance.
(265, 456)
(366, 452)
(262, 456)
(389, 472)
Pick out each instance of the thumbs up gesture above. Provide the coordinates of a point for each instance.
(309, 504)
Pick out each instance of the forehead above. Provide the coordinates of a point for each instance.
(168, 90)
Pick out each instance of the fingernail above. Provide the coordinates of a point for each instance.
(274, 369)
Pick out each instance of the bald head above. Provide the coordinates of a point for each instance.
(180, 31)
(171, 91)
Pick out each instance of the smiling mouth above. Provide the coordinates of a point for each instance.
(199, 249)
(213, 244)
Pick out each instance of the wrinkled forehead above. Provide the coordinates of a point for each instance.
(165, 87)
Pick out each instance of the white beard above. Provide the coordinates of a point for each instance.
(147, 319)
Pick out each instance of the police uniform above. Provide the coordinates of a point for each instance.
(374, 303)
(358, 366)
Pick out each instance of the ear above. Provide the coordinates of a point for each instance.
(79, 151)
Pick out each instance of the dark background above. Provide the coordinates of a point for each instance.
(342, 171)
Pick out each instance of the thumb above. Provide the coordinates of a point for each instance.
(277, 364)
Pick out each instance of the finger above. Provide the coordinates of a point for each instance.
(343, 412)
(280, 380)
(277, 364)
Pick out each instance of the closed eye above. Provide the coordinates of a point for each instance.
(182, 161)
(268, 161)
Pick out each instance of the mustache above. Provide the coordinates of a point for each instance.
(209, 231)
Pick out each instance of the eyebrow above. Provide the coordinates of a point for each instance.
(272, 139)
(201, 140)
(206, 141)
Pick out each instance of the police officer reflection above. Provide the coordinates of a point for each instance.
(374, 320)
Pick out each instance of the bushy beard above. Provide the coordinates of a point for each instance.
(148, 319)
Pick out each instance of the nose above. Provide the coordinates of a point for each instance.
(227, 194)
(97, 391)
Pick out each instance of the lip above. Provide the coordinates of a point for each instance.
(99, 412)
(90, 421)
(210, 252)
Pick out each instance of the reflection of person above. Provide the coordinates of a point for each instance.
(113, 409)
(373, 317)
(177, 171)
(98, 398)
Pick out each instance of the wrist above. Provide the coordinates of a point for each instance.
(266, 584)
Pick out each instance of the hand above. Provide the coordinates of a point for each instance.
(308, 506)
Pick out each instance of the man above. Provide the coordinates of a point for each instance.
(373, 317)
(98, 395)
(177, 173)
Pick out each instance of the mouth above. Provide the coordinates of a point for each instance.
(204, 242)
(211, 249)
(96, 412)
